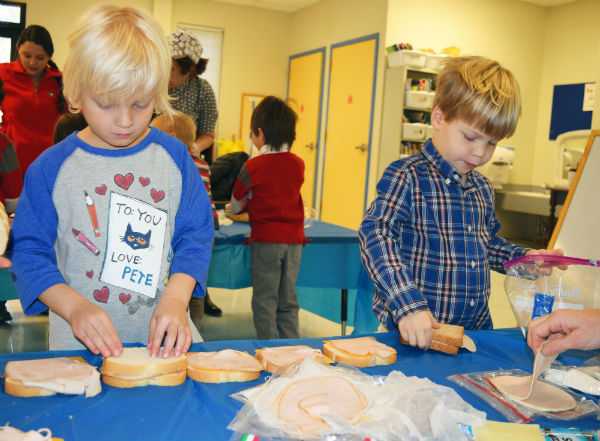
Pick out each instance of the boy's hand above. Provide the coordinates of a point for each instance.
(554, 252)
(89, 323)
(541, 269)
(170, 318)
(5, 263)
(93, 326)
(416, 328)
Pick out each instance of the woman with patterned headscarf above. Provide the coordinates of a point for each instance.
(193, 95)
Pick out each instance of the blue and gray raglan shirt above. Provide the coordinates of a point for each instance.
(112, 224)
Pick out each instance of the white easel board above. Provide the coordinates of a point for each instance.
(577, 230)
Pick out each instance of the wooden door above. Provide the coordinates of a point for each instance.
(305, 93)
(349, 130)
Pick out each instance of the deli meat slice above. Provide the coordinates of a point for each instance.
(361, 351)
(280, 357)
(227, 359)
(363, 346)
(61, 375)
(303, 403)
(544, 396)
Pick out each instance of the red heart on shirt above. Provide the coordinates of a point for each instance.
(157, 195)
(101, 189)
(124, 298)
(102, 294)
(124, 181)
(89, 274)
(144, 181)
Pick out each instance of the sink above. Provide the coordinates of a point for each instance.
(528, 199)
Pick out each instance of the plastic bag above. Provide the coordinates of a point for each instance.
(398, 408)
(480, 384)
(538, 284)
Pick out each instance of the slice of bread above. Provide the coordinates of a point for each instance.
(135, 367)
(125, 381)
(49, 376)
(276, 359)
(447, 339)
(448, 334)
(360, 352)
(223, 366)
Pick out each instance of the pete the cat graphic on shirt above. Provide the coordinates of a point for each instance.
(134, 250)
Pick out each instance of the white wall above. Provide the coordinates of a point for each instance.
(570, 55)
(511, 32)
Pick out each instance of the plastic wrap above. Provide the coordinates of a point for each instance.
(538, 284)
(398, 408)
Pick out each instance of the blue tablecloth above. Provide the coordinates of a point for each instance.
(330, 262)
(203, 411)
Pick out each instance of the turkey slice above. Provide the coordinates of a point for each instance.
(544, 396)
(227, 359)
(303, 403)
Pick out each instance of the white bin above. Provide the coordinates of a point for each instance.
(415, 131)
(434, 61)
(419, 99)
(407, 57)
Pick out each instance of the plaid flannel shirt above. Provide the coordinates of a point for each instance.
(428, 242)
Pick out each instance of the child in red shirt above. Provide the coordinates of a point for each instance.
(268, 187)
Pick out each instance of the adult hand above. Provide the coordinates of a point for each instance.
(415, 328)
(569, 328)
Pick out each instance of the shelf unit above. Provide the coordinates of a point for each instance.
(394, 110)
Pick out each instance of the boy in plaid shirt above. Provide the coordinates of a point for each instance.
(430, 238)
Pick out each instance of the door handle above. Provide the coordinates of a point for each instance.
(310, 146)
(362, 147)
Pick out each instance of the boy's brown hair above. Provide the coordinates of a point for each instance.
(480, 92)
(179, 124)
(276, 120)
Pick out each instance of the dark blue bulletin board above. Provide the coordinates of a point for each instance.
(567, 110)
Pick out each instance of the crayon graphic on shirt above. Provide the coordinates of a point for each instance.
(85, 241)
(92, 212)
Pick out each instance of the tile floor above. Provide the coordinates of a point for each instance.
(29, 334)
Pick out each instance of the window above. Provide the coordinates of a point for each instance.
(212, 48)
(12, 23)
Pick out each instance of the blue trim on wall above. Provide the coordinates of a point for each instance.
(332, 47)
(318, 140)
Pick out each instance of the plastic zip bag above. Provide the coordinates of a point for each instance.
(480, 384)
(536, 285)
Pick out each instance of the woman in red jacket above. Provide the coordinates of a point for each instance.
(31, 96)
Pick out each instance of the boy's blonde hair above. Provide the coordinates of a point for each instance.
(178, 123)
(480, 92)
(115, 52)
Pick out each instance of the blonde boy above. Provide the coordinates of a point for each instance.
(430, 237)
(114, 227)
(179, 125)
